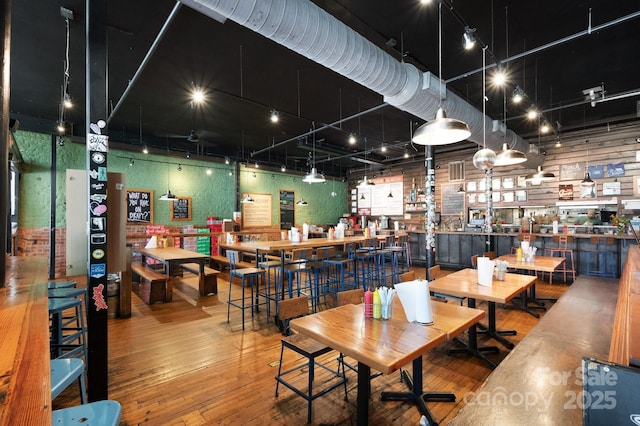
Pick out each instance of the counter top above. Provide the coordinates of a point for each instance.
(537, 234)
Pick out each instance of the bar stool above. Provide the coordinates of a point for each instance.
(99, 413)
(272, 268)
(297, 267)
(402, 250)
(341, 270)
(61, 284)
(249, 275)
(63, 373)
(601, 256)
(67, 333)
(563, 250)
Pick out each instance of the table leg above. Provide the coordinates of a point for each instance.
(523, 305)
(364, 390)
(415, 393)
(472, 346)
(201, 286)
(169, 271)
(497, 334)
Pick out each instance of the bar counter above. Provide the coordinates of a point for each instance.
(455, 248)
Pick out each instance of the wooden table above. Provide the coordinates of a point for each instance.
(540, 264)
(173, 257)
(464, 283)
(386, 345)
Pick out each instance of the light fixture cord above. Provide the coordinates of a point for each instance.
(484, 97)
(440, 53)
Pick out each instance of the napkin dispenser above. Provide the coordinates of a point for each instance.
(416, 301)
(485, 271)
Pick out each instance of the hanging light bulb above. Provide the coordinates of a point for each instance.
(468, 38)
(274, 116)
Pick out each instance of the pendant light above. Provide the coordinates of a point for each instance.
(314, 176)
(366, 183)
(301, 201)
(540, 176)
(168, 196)
(247, 199)
(508, 156)
(442, 130)
(485, 158)
(587, 177)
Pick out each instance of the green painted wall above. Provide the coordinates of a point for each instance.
(212, 195)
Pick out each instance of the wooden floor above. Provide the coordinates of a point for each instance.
(181, 363)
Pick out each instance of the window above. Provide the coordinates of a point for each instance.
(456, 171)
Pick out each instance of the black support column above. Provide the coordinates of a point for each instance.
(97, 147)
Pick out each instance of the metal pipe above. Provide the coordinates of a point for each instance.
(146, 59)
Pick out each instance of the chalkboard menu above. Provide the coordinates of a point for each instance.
(181, 208)
(139, 206)
(287, 209)
(452, 201)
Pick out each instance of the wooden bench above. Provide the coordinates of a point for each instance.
(222, 263)
(207, 285)
(625, 342)
(548, 361)
(153, 285)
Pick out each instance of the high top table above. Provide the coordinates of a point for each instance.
(387, 345)
(171, 258)
(464, 283)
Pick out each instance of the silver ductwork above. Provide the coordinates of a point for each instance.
(308, 30)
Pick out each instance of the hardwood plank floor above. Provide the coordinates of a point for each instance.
(181, 363)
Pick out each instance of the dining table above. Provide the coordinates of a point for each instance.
(388, 345)
(464, 284)
(171, 258)
(538, 264)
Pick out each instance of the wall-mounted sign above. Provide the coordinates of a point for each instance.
(139, 206)
(181, 209)
(565, 192)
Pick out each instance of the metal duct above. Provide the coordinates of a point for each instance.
(308, 30)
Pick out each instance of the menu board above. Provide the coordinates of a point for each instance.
(139, 206)
(287, 209)
(452, 200)
(258, 213)
(571, 171)
(181, 208)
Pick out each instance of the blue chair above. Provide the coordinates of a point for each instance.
(99, 413)
(67, 333)
(61, 284)
(63, 373)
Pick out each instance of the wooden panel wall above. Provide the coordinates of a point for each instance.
(606, 145)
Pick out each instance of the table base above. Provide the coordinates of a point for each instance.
(490, 330)
(416, 394)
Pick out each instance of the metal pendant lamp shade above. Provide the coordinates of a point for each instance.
(441, 131)
(314, 177)
(247, 199)
(541, 176)
(168, 196)
(302, 202)
(587, 178)
(509, 157)
(365, 183)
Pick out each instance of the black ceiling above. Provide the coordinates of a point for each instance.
(246, 75)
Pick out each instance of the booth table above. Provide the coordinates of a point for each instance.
(386, 345)
(464, 283)
(173, 257)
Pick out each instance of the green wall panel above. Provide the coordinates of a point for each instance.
(211, 194)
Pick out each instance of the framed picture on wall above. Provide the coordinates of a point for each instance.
(471, 186)
(507, 183)
(521, 195)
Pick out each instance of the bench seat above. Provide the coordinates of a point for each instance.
(222, 263)
(210, 282)
(152, 287)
